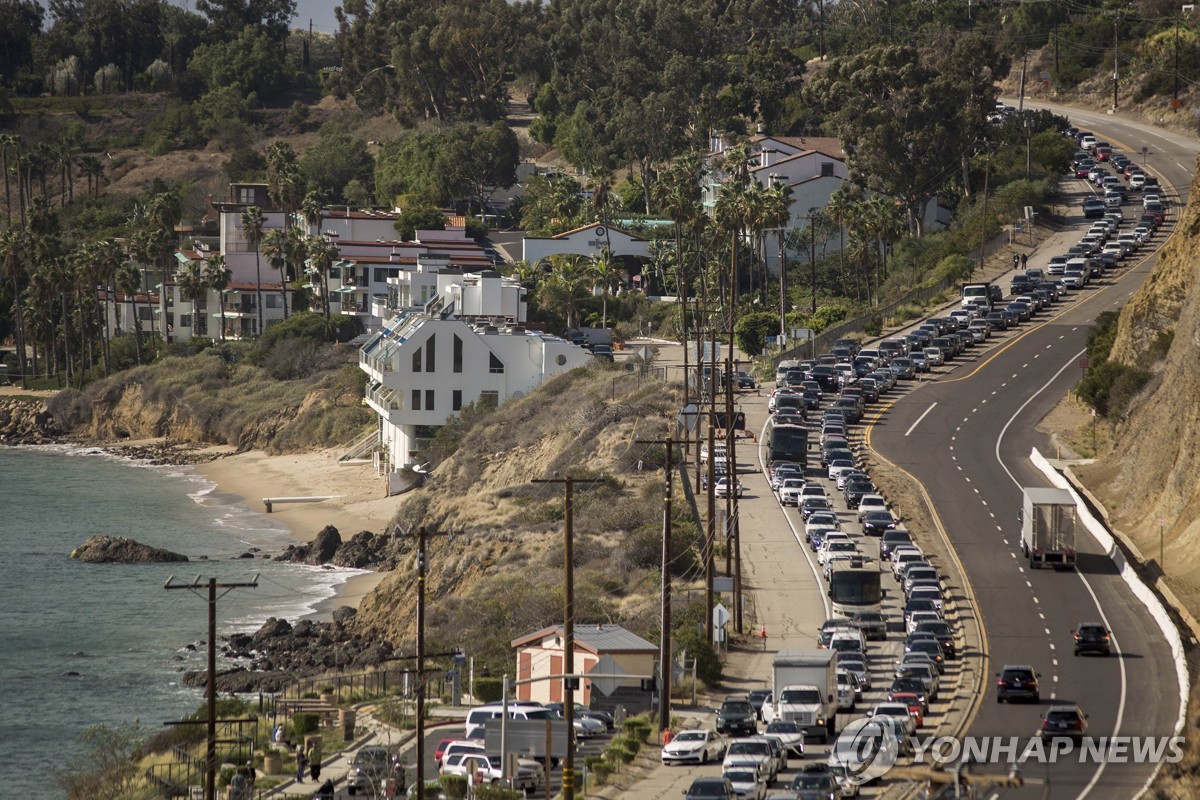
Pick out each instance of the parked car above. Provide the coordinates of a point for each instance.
(694, 747)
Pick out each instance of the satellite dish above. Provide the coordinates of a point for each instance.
(630, 366)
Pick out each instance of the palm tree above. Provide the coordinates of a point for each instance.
(321, 255)
(839, 208)
(563, 289)
(12, 246)
(193, 287)
(63, 153)
(9, 145)
(529, 275)
(129, 281)
(311, 209)
(253, 223)
(92, 168)
(777, 215)
(275, 245)
(108, 259)
(606, 272)
(217, 276)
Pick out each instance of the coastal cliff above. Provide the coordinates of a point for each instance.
(1152, 471)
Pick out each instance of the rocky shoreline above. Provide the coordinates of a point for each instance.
(279, 654)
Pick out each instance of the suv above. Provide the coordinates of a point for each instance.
(1091, 637)
(368, 768)
(737, 717)
(710, 789)
(1017, 681)
(1064, 722)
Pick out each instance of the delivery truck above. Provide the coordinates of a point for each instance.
(1048, 528)
(805, 691)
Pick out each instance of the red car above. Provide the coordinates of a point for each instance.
(915, 709)
(440, 750)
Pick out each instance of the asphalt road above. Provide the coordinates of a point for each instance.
(967, 438)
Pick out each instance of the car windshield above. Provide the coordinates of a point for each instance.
(1062, 716)
(708, 789)
(744, 748)
(738, 776)
(783, 727)
(1018, 675)
(737, 708)
(689, 736)
(806, 782)
(800, 697)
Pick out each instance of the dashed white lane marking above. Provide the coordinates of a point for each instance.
(1041, 616)
(1004, 384)
(1026, 364)
(994, 391)
(1047, 631)
(1039, 602)
(968, 480)
(976, 490)
(1035, 355)
(984, 503)
(1050, 345)
(1014, 376)
(1014, 555)
(1030, 585)
(1063, 336)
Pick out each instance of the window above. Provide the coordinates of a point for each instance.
(416, 399)
(430, 351)
(272, 300)
(456, 400)
(429, 399)
(417, 360)
(382, 274)
(185, 320)
(458, 354)
(826, 169)
(495, 365)
(489, 399)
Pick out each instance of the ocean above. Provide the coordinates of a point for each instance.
(87, 644)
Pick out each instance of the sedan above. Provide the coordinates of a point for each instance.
(934, 356)
(874, 523)
(790, 735)
(744, 380)
(873, 624)
(694, 747)
(723, 484)
(746, 782)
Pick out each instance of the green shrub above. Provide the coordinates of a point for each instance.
(619, 753)
(1161, 344)
(455, 787)
(304, 722)
(873, 326)
(600, 771)
(489, 792)
(489, 690)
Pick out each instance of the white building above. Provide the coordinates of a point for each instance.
(466, 343)
(587, 240)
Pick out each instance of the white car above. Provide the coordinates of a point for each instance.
(840, 465)
(917, 617)
(789, 491)
(746, 782)
(694, 747)
(934, 356)
(790, 735)
(489, 769)
(835, 548)
(871, 502)
(1147, 199)
(821, 521)
(754, 750)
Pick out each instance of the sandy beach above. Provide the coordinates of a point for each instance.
(356, 500)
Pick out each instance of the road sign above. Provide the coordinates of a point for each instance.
(802, 333)
(527, 737)
(720, 616)
(722, 584)
(1083, 363)
(689, 417)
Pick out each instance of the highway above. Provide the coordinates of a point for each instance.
(970, 452)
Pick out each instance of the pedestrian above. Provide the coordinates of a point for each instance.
(325, 792)
(1024, 259)
(314, 761)
(301, 763)
(237, 785)
(251, 775)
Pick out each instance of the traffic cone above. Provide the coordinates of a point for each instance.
(763, 632)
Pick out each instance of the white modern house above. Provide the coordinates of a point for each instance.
(369, 249)
(451, 338)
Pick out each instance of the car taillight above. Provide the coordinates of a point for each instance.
(1045, 724)
(1000, 682)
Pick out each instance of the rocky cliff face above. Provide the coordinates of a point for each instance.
(1153, 470)
(26, 421)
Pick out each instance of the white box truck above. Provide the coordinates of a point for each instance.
(805, 691)
(1048, 528)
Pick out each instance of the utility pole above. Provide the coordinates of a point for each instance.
(421, 663)
(665, 657)
(812, 254)
(568, 772)
(711, 538)
(732, 537)
(1116, 56)
(1175, 99)
(210, 758)
(987, 164)
(1021, 95)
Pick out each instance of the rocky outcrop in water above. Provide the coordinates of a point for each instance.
(119, 550)
(26, 421)
(279, 653)
(364, 550)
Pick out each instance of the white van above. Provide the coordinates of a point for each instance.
(478, 717)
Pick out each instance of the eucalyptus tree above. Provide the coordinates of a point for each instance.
(217, 276)
(253, 223)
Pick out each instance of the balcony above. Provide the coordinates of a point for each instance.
(382, 399)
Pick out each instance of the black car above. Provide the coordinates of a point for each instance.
(737, 718)
(931, 648)
(942, 632)
(1091, 637)
(875, 523)
(744, 380)
(855, 490)
(816, 782)
(873, 625)
(757, 698)
(710, 789)
(911, 684)
(891, 540)
(919, 604)
(1017, 682)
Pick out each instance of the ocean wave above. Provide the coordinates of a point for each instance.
(292, 594)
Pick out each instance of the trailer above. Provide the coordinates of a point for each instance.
(1048, 528)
